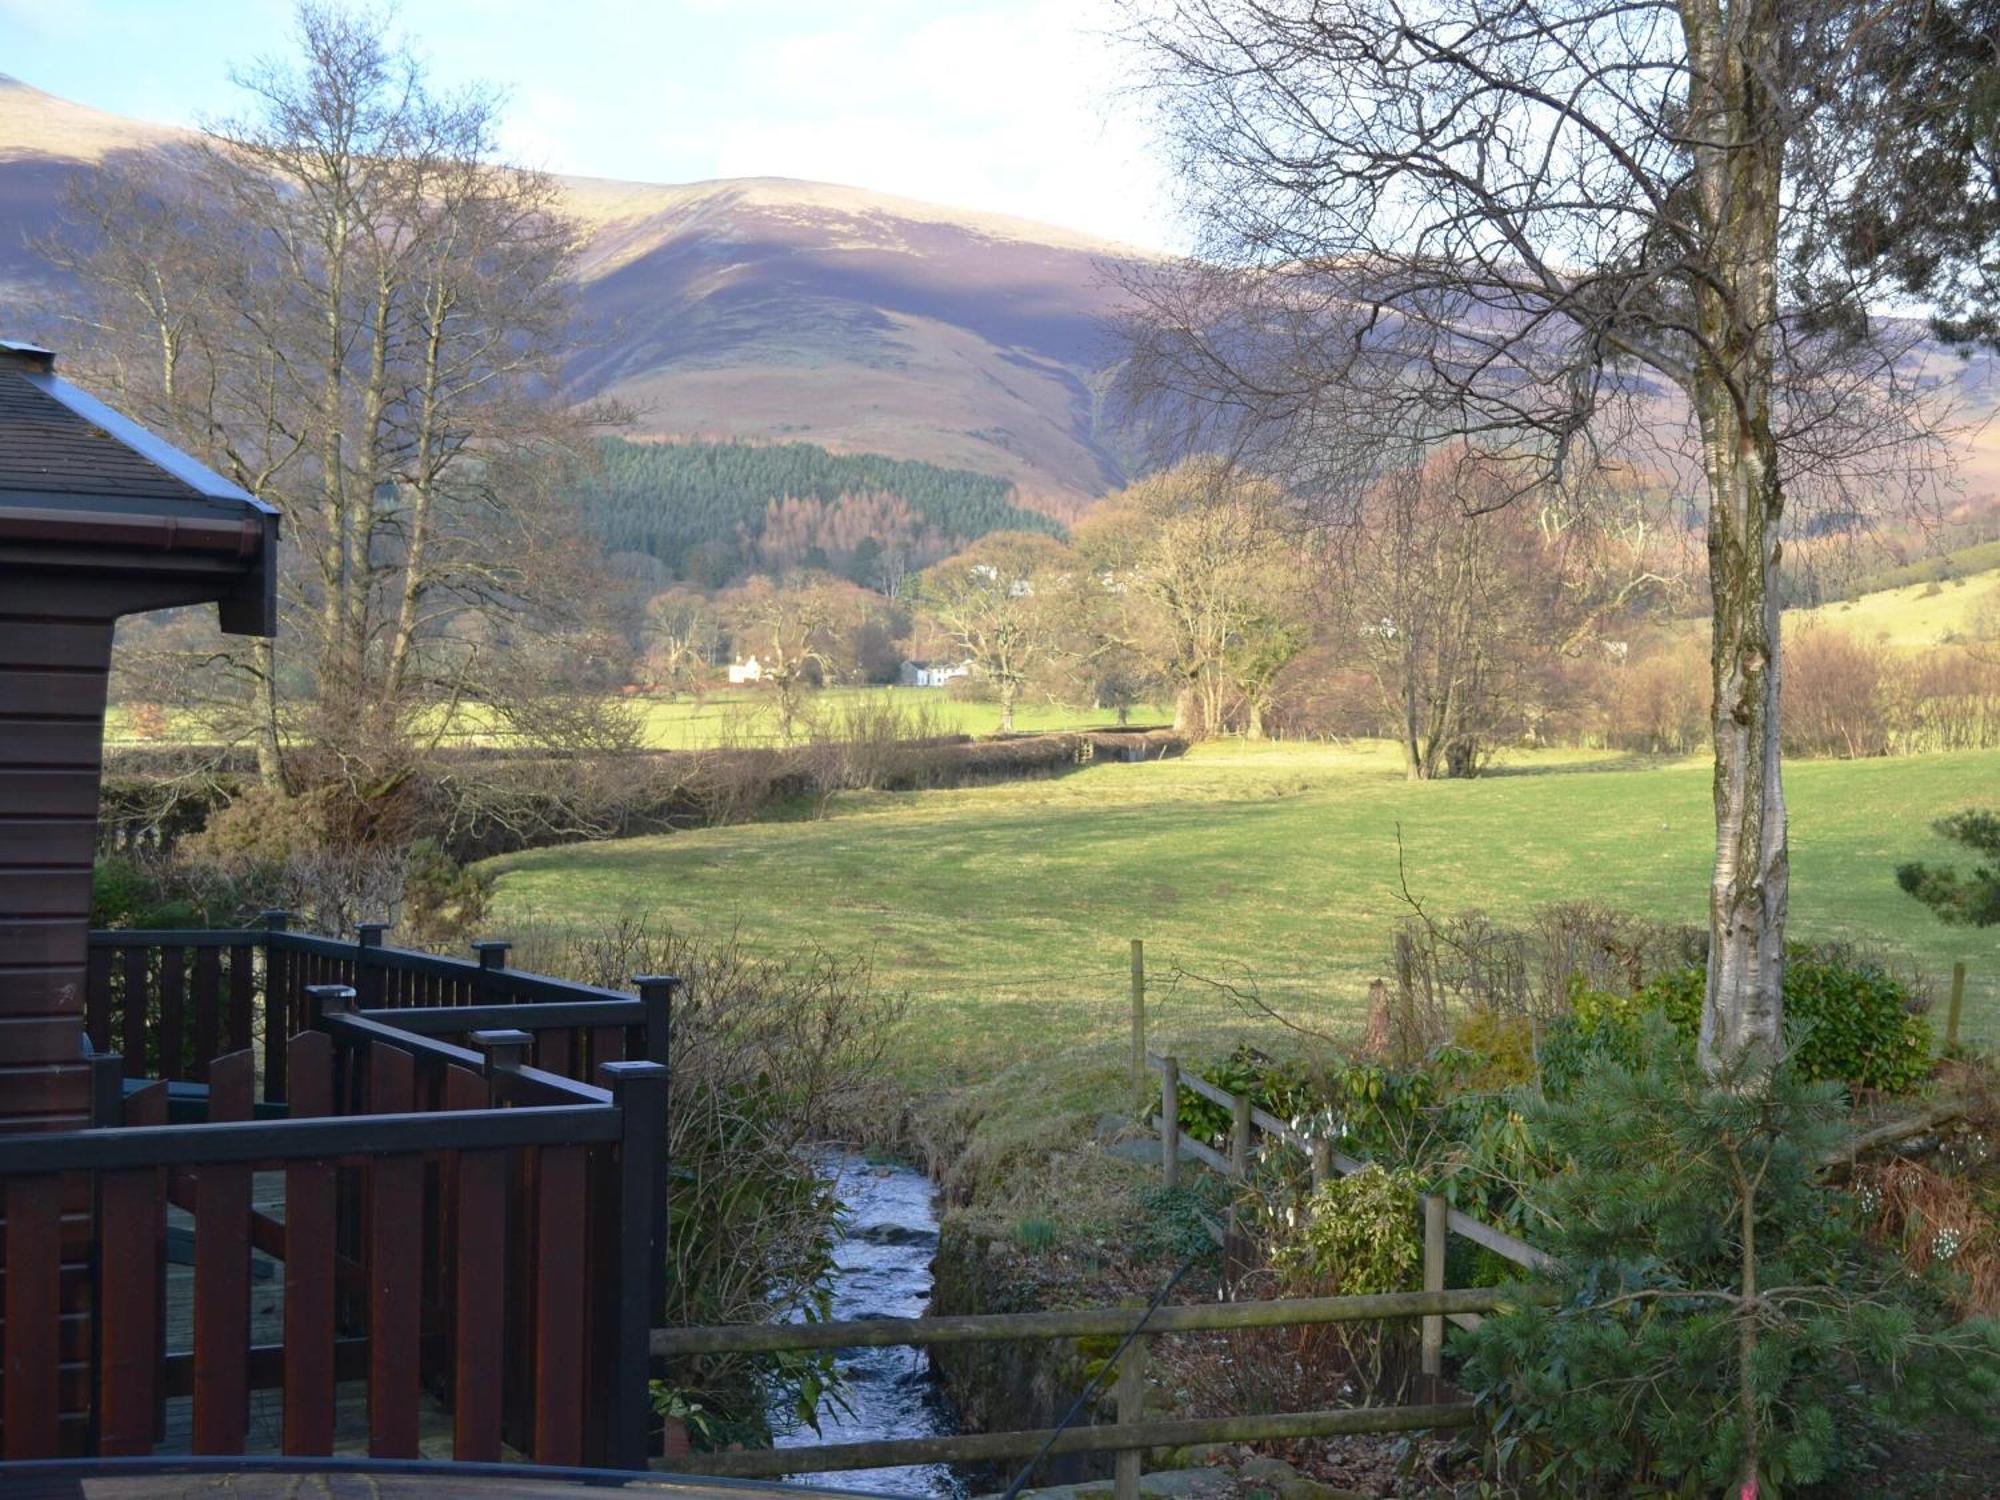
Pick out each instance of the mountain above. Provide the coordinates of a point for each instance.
(758, 308)
(767, 309)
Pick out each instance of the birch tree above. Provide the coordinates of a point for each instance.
(1564, 234)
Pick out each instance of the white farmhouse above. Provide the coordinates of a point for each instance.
(931, 673)
(746, 671)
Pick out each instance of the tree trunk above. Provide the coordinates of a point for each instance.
(1737, 125)
(270, 754)
(1748, 895)
(1253, 728)
(1186, 709)
(1007, 695)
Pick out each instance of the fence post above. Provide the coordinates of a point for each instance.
(327, 1000)
(1322, 1161)
(639, 1089)
(656, 993)
(1131, 1409)
(368, 978)
(281, 1007)
(1957, 1003)
(1170, 1121)
(107, 1090)
(506, 1052)
(1433, 1332)
(1139, 1024)
(1239, 1135)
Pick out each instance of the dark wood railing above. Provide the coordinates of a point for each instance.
(459, 1169)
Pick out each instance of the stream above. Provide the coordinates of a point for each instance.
(888, 1238)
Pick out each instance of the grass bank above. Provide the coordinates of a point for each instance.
(1005, 910)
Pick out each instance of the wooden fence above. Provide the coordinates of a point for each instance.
(1246, 1119)
(1131, 1434)
(472, 1205)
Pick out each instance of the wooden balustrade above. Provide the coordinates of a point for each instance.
(462, 1220)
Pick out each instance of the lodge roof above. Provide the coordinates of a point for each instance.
(58, 441)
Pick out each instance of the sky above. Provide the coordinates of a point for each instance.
(1006, 106)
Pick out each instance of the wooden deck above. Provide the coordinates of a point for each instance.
(266, 1433)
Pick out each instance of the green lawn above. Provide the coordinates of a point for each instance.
(1006, 910)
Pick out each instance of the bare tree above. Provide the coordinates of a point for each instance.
(1002, 604)
(1543, 229)
(1197, 579)
(1452, 612)
(349, 305)
(682, 636)
(791, 629)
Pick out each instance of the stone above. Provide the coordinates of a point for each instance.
(1266, 1471)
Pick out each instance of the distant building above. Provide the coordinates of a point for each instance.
(746, 671)
(931, 673)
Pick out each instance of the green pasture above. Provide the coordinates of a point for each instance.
(747, 716)
(1258, 875)
(1913, 616)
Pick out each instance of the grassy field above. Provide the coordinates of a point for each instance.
(740, 716)
(731, 716)
(1913, 616)
(1006, 910)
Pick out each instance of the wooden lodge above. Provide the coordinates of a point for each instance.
(268, 1192)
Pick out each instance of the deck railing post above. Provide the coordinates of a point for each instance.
(1435, 1210)
(1170, 1121)
(368, 978)
(492, 956)
(656, 993)
(281, 1017)
(1131, 1410)
(506, 1053)
(639, 1089)
(318, 1002)
(107, 1090)
(1239, 1135)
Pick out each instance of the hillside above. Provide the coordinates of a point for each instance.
(761, 309)
(773, 310)
(1916, 615)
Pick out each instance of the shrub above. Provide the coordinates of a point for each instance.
(1847, 1020)
(1501, 1048)
(1721, 1322)
(1355, 1235)
(1835, 698)
(444, 903)
(1358, 1234)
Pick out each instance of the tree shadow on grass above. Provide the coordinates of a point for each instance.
(1610, 760)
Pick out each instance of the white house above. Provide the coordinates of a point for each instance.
(746, 671)
(931, 673)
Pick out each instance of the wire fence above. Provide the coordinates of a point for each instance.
(1197, 1010)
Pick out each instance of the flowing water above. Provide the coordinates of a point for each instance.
(888, 1238)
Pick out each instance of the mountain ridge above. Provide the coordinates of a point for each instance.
(762, 309)
(775, 309)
